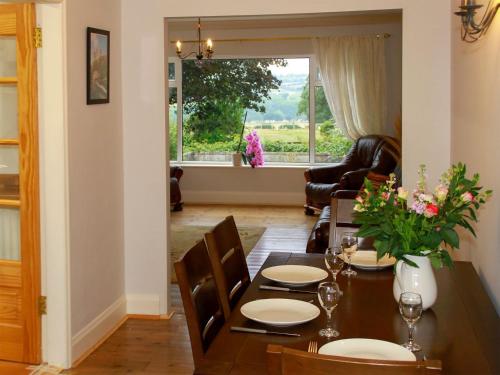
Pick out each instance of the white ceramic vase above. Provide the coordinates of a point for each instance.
(420, 280)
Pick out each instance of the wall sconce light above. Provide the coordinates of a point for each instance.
(203, 51)
(471, 29)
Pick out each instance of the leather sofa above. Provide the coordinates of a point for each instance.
(371, 153)
(175, 190)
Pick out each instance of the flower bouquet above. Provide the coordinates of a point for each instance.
(404, 229)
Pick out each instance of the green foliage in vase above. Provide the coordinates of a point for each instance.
(423, 226)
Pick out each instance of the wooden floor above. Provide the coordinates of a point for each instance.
(7, 368)
(162, 346)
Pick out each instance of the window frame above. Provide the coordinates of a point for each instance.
(313, 83)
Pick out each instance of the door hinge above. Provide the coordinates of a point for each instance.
(42, 305)
(37, 36)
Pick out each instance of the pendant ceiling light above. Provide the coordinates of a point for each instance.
(205, 48)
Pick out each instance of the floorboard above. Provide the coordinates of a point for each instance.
(162, 346)
(7, 368)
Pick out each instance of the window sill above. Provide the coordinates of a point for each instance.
(267, 166)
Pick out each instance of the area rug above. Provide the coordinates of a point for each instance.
(185, 236)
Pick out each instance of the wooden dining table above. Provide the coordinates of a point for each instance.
(461, 329)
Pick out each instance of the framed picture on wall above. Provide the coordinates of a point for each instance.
(97, 66)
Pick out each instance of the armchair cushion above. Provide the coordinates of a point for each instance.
(326, 174)
(321, 191)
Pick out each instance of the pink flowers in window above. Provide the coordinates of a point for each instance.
(254, 153)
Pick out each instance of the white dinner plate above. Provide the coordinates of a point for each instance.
(367, 260)
(368, 349)
(295, 275)
(280, 312)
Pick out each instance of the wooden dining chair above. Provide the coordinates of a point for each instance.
(281, 361)
(341, 215)
(202, 306)
(228, 262)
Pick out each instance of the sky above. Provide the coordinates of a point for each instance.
(294, 66)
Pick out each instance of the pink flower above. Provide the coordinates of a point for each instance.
(467, 197)
(418, 207)
(359, 199)
(254, 152)
(386, 195)
(431, 210)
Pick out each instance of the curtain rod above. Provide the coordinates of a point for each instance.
(384, 35)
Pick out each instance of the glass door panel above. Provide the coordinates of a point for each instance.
(8, 112)
(9, 172)
(9, 234)
(8, 66)
(9, 160)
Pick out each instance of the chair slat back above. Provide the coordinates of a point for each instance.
(202, 306)
(341, 218)
(228, 262)
(288, 361)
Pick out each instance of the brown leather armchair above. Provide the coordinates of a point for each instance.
(371, 153)
(175, 190)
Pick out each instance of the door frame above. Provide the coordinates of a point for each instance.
(54, 207)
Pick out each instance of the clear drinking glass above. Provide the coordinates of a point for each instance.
(349, 243)
(329, 296)
(333, 261)
(410, 308)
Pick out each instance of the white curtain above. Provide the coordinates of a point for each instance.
(354, 79)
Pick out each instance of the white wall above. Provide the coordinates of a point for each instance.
(476, 141)
(426, 108)
(229, 185)
(144, 155)
(95, 180)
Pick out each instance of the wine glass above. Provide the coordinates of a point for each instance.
(329, 295)
(349, 243)
(410, 308)
(333, 261)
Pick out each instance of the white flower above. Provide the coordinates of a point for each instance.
(359, 208)
(402, 193)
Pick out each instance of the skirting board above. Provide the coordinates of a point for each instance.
(243, 197)
(143, 304)
(94, 333)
